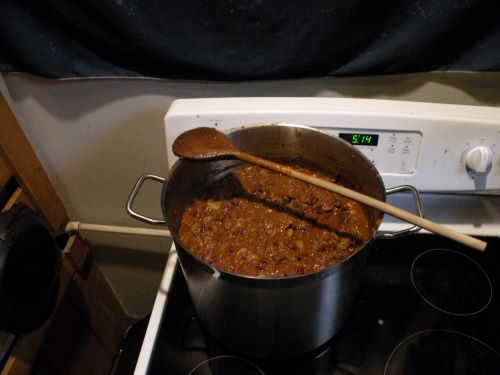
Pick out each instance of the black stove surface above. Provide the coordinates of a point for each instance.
(424, 305)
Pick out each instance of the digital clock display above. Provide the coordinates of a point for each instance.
(358, 139)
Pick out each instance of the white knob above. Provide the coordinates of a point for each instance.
(478, 158)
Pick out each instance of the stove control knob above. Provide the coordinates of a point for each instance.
(478, 159)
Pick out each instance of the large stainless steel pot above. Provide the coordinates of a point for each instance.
(266, 317)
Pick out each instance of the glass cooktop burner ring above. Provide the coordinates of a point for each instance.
(250, 367)
(451, 282)
(438, 351)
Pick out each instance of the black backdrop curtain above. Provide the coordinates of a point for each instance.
(247, 39)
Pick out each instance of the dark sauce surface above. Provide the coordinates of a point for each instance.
(260, 223)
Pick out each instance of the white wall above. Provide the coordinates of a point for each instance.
(95, 137)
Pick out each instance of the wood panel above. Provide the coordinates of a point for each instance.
(77, 252)
(91, 293)
(5, 173)
(17, 154)
(95, 300)
(71, 348)
(19, 196)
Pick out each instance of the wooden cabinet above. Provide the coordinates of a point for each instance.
(84, 332)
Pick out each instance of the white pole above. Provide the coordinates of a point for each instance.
(75, 226)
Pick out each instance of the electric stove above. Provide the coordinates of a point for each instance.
(424, 304)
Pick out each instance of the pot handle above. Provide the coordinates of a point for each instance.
(418, 208)
(133, 195)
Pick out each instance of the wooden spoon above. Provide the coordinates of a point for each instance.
(208, 143)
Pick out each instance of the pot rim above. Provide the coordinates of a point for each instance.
(263, 280)
(273, 282)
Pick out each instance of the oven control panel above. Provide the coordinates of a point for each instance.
(392, 152)
(434, 147)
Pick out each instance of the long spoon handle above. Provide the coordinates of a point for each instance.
(369, 201)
